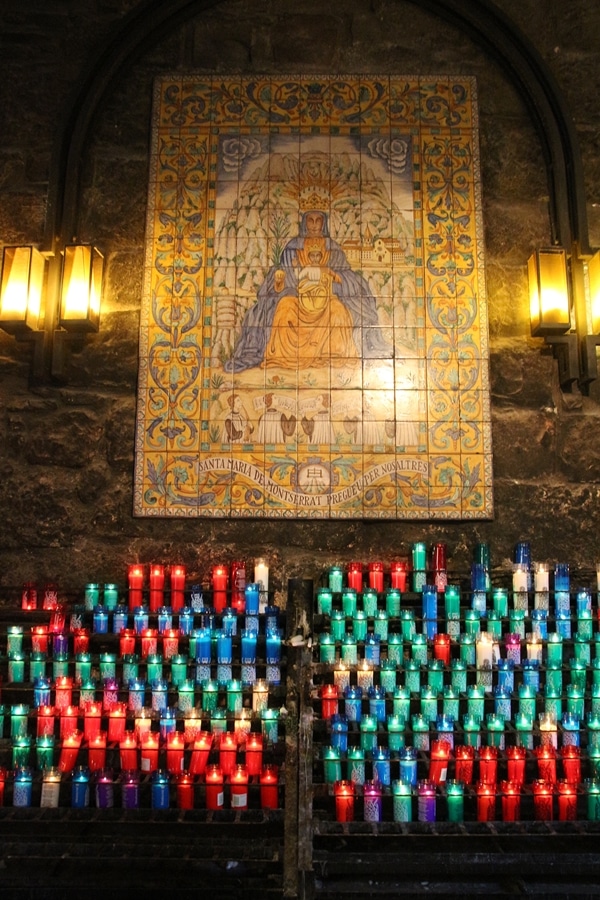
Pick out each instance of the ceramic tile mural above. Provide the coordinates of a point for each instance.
(314, 335)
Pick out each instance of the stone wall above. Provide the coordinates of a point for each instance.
(66, 452)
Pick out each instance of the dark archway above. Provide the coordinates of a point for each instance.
(481, 20)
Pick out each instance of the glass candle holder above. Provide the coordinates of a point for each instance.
(408, 765)
(402, 801)
(543, 793)
(426, 801)
(488, 765)
(353, 703)
(486, 801)
(592, 789)
(455, 800)
(344, 801)
(356, 765)
(372, 801)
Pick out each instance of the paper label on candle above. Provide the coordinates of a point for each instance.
(239, 800)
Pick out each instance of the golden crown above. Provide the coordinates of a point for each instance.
(314, 197)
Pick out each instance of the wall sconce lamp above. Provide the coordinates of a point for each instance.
(562, 290)
(50, 300)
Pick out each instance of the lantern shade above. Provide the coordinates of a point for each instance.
(593, 269)
(549, 305)
(81, 288)
(21, 289)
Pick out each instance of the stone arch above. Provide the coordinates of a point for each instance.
(483, 22)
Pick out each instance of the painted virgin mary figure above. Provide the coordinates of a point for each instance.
(312, 308)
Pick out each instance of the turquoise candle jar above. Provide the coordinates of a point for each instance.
(210, 695)
(16, 668)
(19, 717)
(524, 730)
(554, 676)
(402, 799)
(409, 628)
(494, 625)
(368, 733)
(452, 601)
(472, 622)
(324, 601)
(592, 789)
(108, 666)
(393, 603)
(495, 730)
(154, 667)
(83, 667)
(435, 675)
(596, 671)
(381, 624)
(595, 700)
(527, 700)
(349, 602)
(91, 596)
(185, 695)
(337, 623)
(349, 650)
(21, 751)
(396, 648)
(476, 701)
(234, 696)
(269, 725)
(332, 764)
(471, 730)
(578, 673)
(458, 675)
(467, 648)
(593, 731)
(429, 703)
(418, 649)
(179, 664)
(502, 703)
(335, 579)
(585, 626)
(369, 602)
(552, 701)
(356, 765)
(516, 620)
(326, 647)
(396, 732)
(14, 640)
(575, 701)
(582, 648)
(401, 702)
(60, 666)
(500, 602)
(412, 676)
(387, 675)
(420, 731)
(44, 751)
(37, 664)
(359, 625)
(451, 703)
(455, 801)
(554, 648)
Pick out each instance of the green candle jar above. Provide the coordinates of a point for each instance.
(582, 649)
(435, 675)
(409, 628)
(429, 703)
(451, 703)
(210, 695)
(467, 649)
(592, 789)
(472, 622)
(396, 736)
(527, 698)
(494, 625)
(476, 701)
(578, 674)
(412, 676)
(500, 602)
(401, 703)
(387, 675)
(524, 729)
(554, 648)
(458, 675)
(495, 730)
(472, 730)
(326, 648)
(585, 626)
(455, 801)
(324, 601)
(108, 666)
(332, 765)
(154, 667)
(575, 701)
(349, 602)
(37, 665)
(369, 602)
(368, 733)
(402, 801)
(356, 765)
(554, 676)
(186, 695)
(337, 624)
(552, 701)
(349, 650)
(359, 625)
(392, 602)
(418, 649)
(420, 729)
(396, 648)
(381, 624)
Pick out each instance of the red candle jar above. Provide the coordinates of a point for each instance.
(149, 642)
(343, 791)
(97, 752)
(63, 692)
(486, 802)
(488, 765)
(254, 754)
(511, 800)
(376, 576)
(571, 763)
(239, 788)
(128, 751)
(515, 762)
(58, 620)
(542, 800)
(464, 756)
(200, 752)
(45, 720)
(214, 788)
(269, 787)
(329, 694)
(442, 648)
(398, 574)
(355, 576)
(29, 596)
(220, 577)
(170, 642)
(546, 761)
(116, 723)
(157, 587)
(69, 751)
(149, 752)
(91, 721)
(175, 748)
(238, 585)
(135, 575)
(185, 791)
(39, 639)
(2, 783)
(127, 642)
(50, 600)
(567, 801)
(228, 746)
(68, 720)
(177, 587)
(81, 641)
(438, 764)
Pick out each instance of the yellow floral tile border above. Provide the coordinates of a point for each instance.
(313, 337)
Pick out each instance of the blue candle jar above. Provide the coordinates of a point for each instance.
(377, 703)
(353, 702)
(120, 618)
(273, 646)
(408, 766)
(22, 787)
(41, 692)
(539, 623)
(252, 598)
(381, 766)
(502, 703)
(373, 649)
(202, 645)
(430, 599)
(100, 620)
(563, 624)
(165, 619)
(224, 648)
(160, 798)
(80, 788)
(506, 675)
(531, 673)
(167, 723)
(339, 732)
(570, 730)
(140, 619)
(137, 694)
(444, 726)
